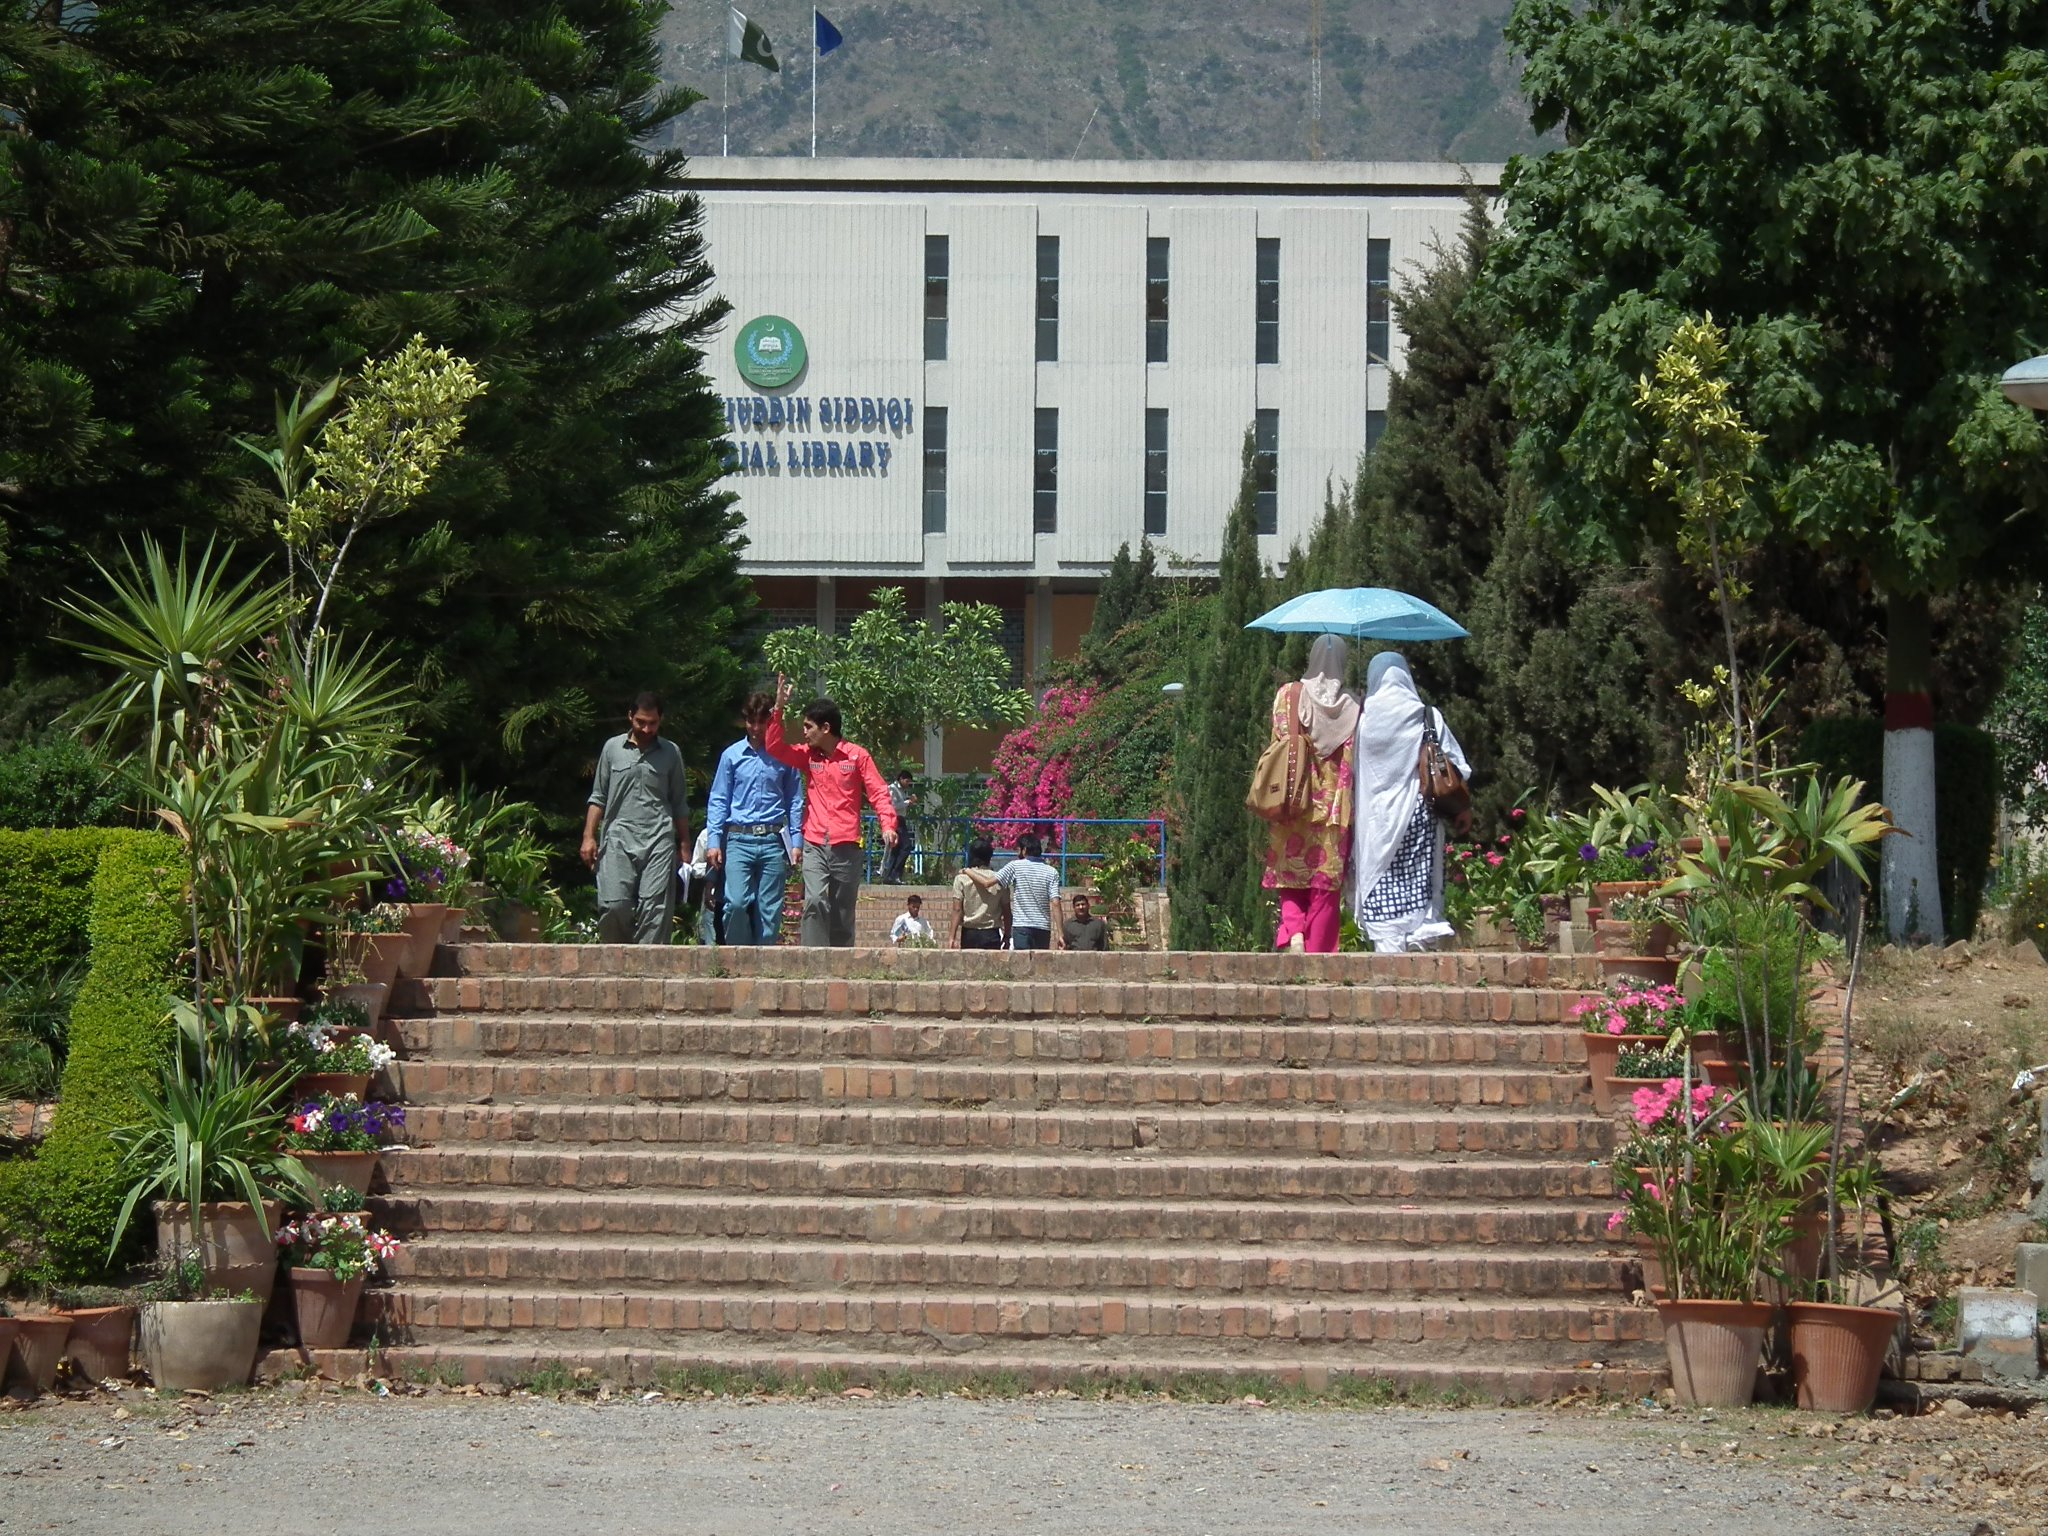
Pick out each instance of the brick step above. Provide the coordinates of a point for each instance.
(647, 1213)
(1468, 968)
(441, 1080)
(752, 997)
(584, 1263)
(1079, 1041)
(1019, 1176)
(421, 1312)
(1382, 1133)
(1047, 1365)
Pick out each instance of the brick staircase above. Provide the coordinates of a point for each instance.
(1052, 1165)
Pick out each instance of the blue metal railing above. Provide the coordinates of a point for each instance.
(946, 838)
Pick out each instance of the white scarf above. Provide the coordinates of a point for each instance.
(1385, 784)
(1328, 712)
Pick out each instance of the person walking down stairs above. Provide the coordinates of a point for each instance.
(836, 774)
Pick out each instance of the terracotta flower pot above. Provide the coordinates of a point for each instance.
(1613, 938)
(1838, 1353)
(200, 1344)
(1602, 1051)
(38, 1346)
(102, 1341)
(370, 996)
(451, 925)
(352, 1170)
(9, 1327)
(1621, 1092)
(423, 933)
(1606, 892)
(325, 1307)
(279, 1009)
(1714, 1347)
(382, 953)
(236, 1243)
(313, 1084)
(1656, 969)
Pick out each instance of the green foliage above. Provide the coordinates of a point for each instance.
(61, 1208)
(54, 780)
(895, 677)
(35, 1021)
(1218, 850)
(46, 895)
(2019, 717)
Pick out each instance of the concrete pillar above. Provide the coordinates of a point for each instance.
(1041, 632)
(934, 740)
(828, 605)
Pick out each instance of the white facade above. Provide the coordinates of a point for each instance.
(839, 248)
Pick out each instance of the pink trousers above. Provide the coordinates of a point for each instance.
(1313, 915)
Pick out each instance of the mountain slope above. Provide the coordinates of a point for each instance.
(1111, 79)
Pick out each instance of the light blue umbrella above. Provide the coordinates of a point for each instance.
(1363, 613)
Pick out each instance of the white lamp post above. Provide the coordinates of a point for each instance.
(2027, 383)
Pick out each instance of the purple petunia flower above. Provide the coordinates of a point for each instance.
(1643, 849)
(1588, 852)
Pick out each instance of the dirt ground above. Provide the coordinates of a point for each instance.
(306, 1458)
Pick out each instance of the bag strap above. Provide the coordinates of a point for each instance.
(1294, 711)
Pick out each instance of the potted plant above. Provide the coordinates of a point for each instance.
(332, 1051)
(337, 1138)
(347, 981)
(380, 931)
(194, 1337)
(1643, 1066)
(1838, 1347)
(206, 1146)
(37, 1349)
(1626, 1016)
(421, 864)
(329, 1254)
(1637, 925)
(101, 1342)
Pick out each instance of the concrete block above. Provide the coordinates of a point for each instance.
(2033, 1268)
(1997, 1329)
(2039, 1170)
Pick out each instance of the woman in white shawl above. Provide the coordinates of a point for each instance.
(1306, 854)
(1397, 856)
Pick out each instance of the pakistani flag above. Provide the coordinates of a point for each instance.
(746, 42)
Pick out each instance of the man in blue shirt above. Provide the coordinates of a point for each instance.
(757, 807)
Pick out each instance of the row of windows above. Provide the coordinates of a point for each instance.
(1045, 468)
(938, 266)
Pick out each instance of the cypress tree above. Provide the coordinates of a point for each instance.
(1218, 852)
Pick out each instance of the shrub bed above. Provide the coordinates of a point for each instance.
(46, 895)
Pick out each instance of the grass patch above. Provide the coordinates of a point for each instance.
(443, 1373)
(553, 1379)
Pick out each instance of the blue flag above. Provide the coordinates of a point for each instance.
(828, 35)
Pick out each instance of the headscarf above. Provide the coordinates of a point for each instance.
(1385, 785)
(1329, 711)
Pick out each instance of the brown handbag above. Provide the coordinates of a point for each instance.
(1449, 797)
(1283, 783)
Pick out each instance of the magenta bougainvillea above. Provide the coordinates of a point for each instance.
(1030, 779)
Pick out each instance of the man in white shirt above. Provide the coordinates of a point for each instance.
(1034, 895)
(910, 926)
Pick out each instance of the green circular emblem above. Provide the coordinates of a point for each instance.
(770, 352)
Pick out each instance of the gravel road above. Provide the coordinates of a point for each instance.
(317, 1462)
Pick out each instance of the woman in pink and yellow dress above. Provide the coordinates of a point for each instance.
(1306, 854)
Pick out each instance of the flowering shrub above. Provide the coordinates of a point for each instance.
(1670, 1106)
(342, 1243)
(1031, 778)
(429, 866)
(1632, 1008)
(327, 1041)
(340, 1123)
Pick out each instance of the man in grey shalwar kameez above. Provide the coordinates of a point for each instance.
(640, 795)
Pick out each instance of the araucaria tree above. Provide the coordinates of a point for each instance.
(1858, 191)
(1218, 851)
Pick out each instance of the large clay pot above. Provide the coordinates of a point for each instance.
(1621, 1092)
(38, 1346)
(352, 1170)
(325, 1307)
(451, 925)
(338, 1084)
(1612, 938)
(382, 953)
(8, 1328)
(423, 932)
(1714, 1348)
(1602, 1051)
(1838, 1353)
(237, 1244)
(101, 1342)
(1607, 892)
(205, 1345)
(370, 996)
(1658, 970)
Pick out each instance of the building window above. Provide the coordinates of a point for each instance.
(1375, 429)
(938, 262)
(1379, 298)
(1045, 472)
(1155, 473)
(1048, 298)
(935, 469)
(1155, 299)
(1269, 301)
(1266, 470)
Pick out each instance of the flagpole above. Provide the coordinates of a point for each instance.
(725, 85)
(814, 82)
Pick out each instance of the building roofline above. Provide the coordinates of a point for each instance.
(1297, 178)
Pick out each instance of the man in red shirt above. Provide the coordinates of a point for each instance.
(836, 774)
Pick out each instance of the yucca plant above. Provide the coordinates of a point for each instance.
(208, 1135)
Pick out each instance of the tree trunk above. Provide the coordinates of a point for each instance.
(1911, 882)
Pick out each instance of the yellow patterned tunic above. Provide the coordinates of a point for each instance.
(1308, 853)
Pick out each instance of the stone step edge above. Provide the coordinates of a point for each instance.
(692, 1372)
(1265, 1252)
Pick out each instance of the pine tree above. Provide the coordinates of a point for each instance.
(1218, 852)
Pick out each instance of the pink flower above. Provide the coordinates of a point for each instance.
(1495, 860)
(1614, 1222)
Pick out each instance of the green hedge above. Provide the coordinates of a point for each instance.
(46, 895)
(60, 1208)
(1965, 806)
(53, 781)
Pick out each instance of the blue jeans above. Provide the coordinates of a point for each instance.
(756, 879)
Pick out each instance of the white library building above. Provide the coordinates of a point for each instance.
(975, 379)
